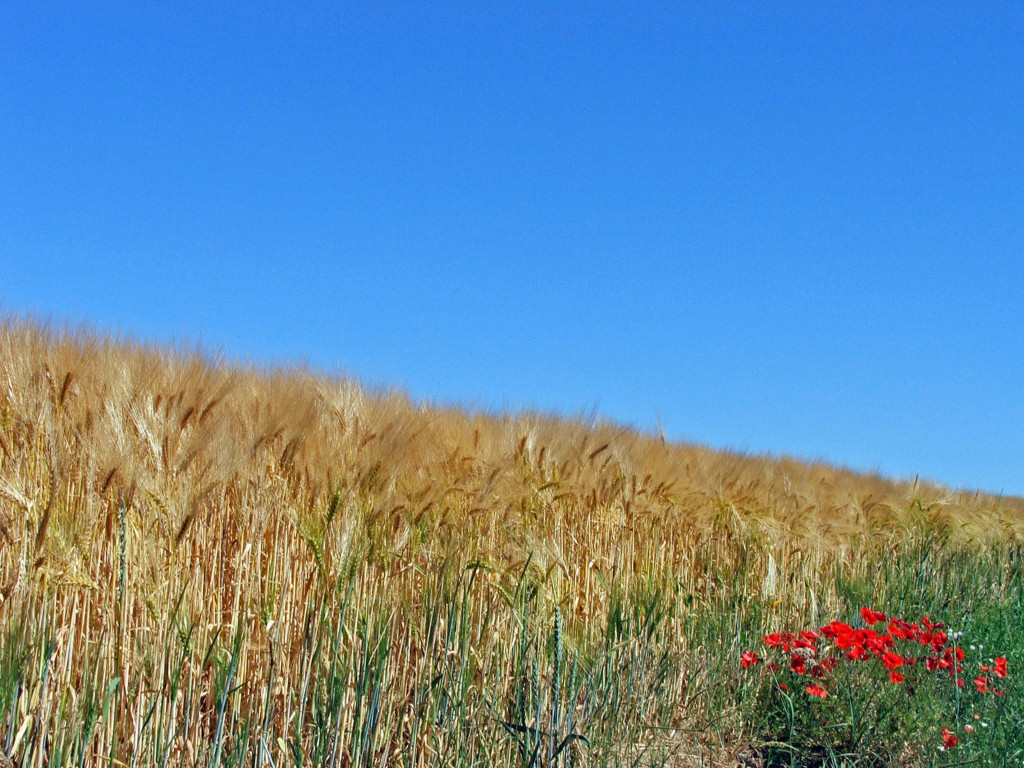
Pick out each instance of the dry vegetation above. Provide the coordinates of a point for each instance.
(209, 564)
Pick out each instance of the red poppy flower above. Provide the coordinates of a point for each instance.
(896, 677)
(797, 664)
(949, 739)
(948, 656)
(878, 644)
(892, 660)
(908, 631)
(816, 690)
(776, 639)
(857, 653)
(871, 617)
(846, 639)
(835, 629)
(748, 659)
(981, 683)
(1000, 669)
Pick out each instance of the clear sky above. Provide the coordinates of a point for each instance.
(794, 228)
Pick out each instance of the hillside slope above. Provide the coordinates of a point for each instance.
(188, 533)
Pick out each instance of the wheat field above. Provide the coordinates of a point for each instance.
(207, 563)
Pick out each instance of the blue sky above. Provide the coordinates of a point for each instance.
(787, 228)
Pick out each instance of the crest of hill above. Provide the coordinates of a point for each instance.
(85, 418)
